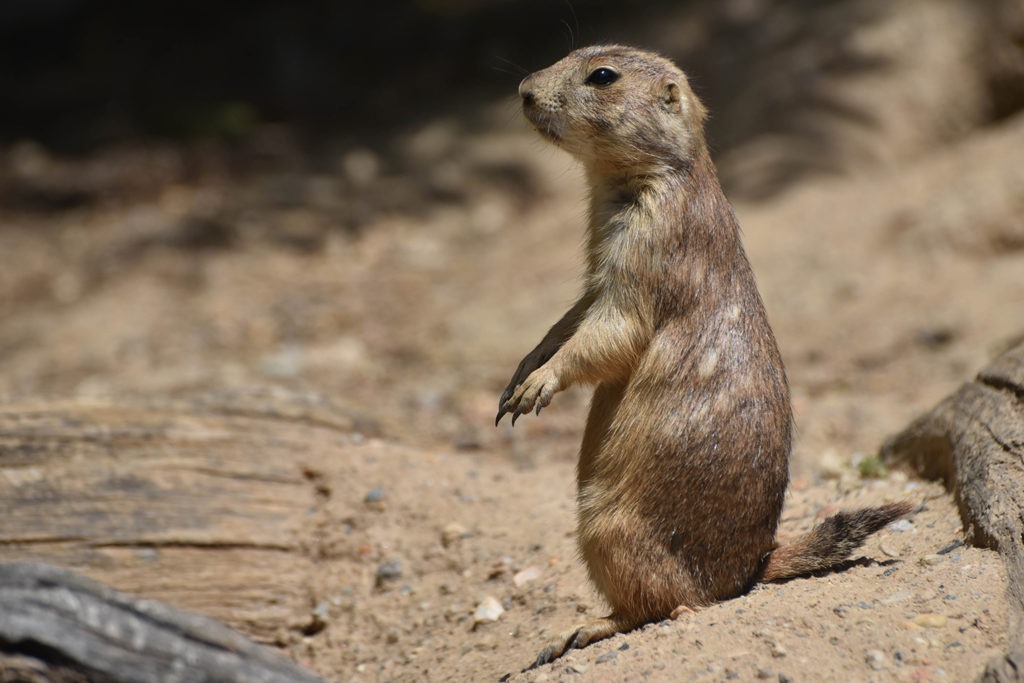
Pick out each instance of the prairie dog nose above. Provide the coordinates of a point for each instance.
(526, 91)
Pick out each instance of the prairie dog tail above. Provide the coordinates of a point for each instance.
(830, 542)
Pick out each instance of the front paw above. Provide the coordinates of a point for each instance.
(536, 391)
(533, 360)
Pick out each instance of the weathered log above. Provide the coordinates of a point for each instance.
(58, 626)
(210, 503)
(974, 442)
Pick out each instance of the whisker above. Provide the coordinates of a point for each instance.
(572, 38)
(575, 20)
(521, 70)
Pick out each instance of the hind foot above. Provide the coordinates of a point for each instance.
(680, 611)
(581, 636)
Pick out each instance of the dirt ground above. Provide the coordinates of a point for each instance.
(405, 278)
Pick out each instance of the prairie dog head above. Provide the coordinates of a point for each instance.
(616, 109)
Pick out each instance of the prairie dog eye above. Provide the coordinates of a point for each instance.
(602, 76)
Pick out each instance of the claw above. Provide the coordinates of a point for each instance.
(579, 640)
(543, 658)
(503, 408)
(515, 416)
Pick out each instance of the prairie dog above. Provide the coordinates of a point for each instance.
(685, 456)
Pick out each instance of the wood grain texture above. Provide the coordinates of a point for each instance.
(212, 504)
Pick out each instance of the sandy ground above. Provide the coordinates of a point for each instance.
(407, 284)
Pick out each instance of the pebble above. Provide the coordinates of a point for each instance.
(607, 657)
(764, 674)
(318, 620)
(930, 620)
(875, 659)
(931, 560)
(389, 571)
(777, 649)
(901, 525)
(525, 576)
(897, 597)
(830, 464)
(375, 495)
(487, 611)
(453, 533)
(887, 549)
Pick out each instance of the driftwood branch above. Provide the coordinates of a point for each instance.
(58, 626)
(974, 442)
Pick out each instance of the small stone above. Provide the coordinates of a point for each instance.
(375, 495)
(897, 597)
(577, 668)
(318, 620)
(931, 560)
(930, 620)
(783, 678)
(487, 642)
(525, 576)
(901, 525)
(488, 611)
(388, 571)
(607, 657)
(875, 659)
(776, 649)
(764, 674)
(452, 534)
(887, 549)
(830, 464)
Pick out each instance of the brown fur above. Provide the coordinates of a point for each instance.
(685, 457)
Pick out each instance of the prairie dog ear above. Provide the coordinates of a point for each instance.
(671, 97)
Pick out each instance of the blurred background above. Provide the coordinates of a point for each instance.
(344, 200)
